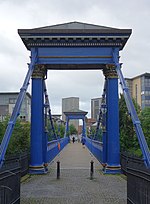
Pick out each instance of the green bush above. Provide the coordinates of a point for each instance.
(20, 139)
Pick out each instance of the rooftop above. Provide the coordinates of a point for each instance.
(14, 93)
(75, 111)
(74, 34)
(74, 26)
(145, 74)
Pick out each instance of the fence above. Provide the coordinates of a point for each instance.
(55, 146)
(95, 147)
(22, 159)
(13, 169)
(10, 183)
(138, 179)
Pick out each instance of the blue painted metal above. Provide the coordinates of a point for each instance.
(45, 158)
(12, 121)
(112, 127)
(83, 127)
(37, 127)
(52, 148)
(45, 138)
(67, 127)
(101, 112)
(74, 55)
(104, 141)
(103, 123)
(47, 104)
(75, 116)
(82, 49)
(95, 147)
(132, 112)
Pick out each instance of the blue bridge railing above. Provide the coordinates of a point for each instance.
(95, 147)
(54, 147)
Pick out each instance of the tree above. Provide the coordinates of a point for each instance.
(145, 122)
(59, 130)
(128, 139)
(72, 130)
(20, 139)
(62, 130)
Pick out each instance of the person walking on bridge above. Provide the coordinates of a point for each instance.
(83, 141)
(73, 139)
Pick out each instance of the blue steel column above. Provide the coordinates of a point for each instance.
(83, 128)
(112, 122)
(45, 136)
(104, 135)
(67, 127)
(45, 140)
(37, 122)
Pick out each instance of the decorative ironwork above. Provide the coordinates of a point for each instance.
(109, 71)
(40, 71)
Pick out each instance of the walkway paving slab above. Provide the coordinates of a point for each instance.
(74, 185)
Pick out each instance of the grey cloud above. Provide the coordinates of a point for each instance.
(16, 14)
(82, 84)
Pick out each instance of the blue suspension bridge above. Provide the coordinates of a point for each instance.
(75, 46)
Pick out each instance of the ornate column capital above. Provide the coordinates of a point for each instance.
(109, 71)
(40, 71)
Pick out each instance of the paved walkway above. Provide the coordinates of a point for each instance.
(74, 185)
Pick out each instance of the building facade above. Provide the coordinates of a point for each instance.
(69, 104)
(95, 106)
(140, 89)
(7, 103)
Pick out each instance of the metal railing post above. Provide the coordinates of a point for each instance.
(58, 169)
(91, 169)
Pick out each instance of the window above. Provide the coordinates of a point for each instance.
(12, 100)
(96, 103)
(136, 92)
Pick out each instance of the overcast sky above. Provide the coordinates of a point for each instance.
(17, 14)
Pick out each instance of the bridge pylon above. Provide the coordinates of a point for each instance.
(72, 46)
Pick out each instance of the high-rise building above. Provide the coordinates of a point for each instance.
(7, 104)
(139, 87)
(69, 104)
(95, 106)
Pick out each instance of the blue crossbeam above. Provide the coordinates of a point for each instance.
(133, 114)
(13, 118)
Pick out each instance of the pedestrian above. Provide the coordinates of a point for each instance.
(83, 141)
(78, 139)
(73, 139)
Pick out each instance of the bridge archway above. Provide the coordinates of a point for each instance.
(75, 114)
(75, 46)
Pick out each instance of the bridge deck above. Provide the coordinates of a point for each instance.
(74, 185)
